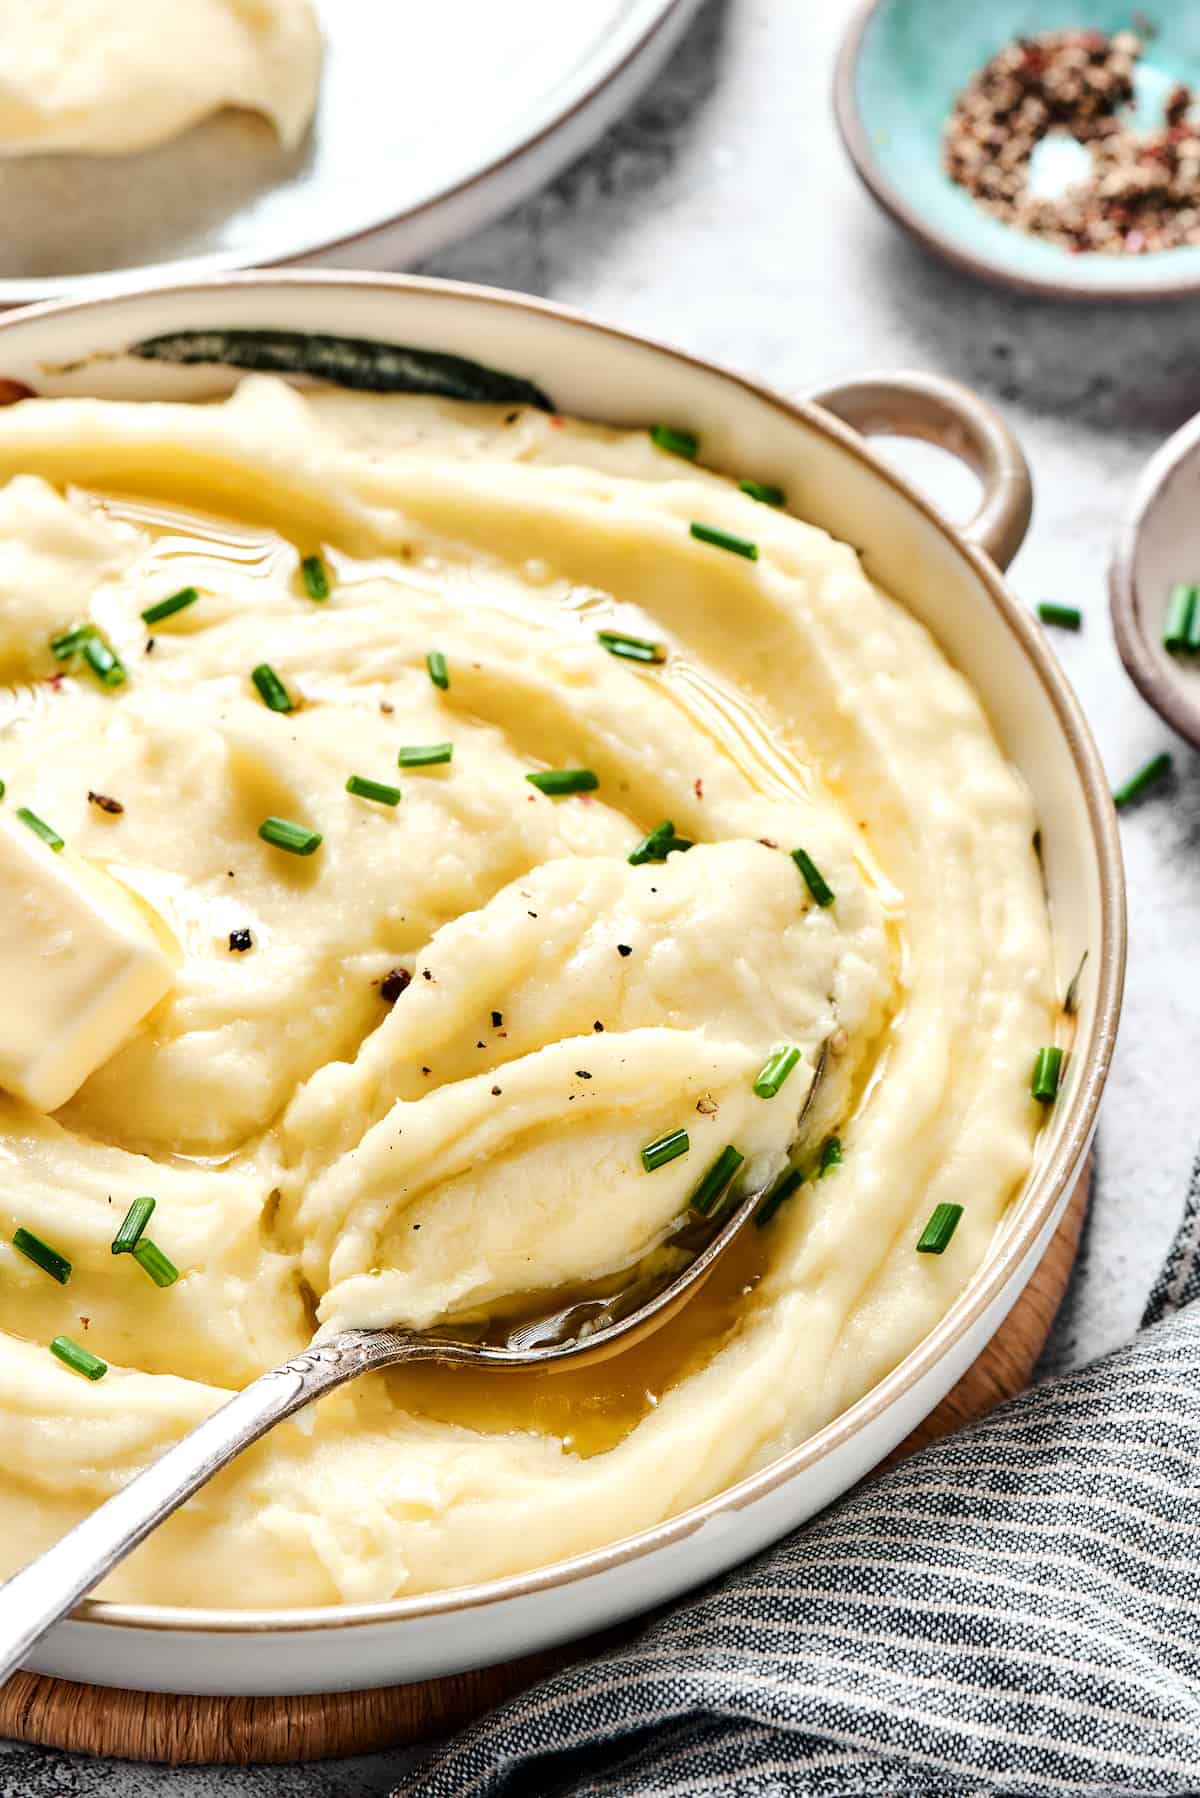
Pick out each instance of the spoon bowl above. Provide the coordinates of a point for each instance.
(590, 1328)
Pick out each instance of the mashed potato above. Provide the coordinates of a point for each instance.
(111, 76)
(411, 1074)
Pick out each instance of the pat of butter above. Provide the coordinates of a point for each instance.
(81, 963)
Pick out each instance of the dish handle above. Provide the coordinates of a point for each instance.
(912, 404)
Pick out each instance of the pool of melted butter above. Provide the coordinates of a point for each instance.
(591, 1407)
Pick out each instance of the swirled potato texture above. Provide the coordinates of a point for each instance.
(409, 1076)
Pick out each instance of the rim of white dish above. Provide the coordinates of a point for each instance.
(626, 43)
(1036, 1205)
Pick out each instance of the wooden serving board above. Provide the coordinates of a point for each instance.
(150, 1726)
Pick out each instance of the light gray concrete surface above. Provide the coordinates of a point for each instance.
(723, 216)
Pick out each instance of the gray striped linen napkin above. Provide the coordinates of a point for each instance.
(1016, 1610)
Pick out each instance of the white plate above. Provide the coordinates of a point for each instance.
(145, 346)
(432, 120)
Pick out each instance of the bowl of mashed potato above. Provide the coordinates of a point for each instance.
(473, 777)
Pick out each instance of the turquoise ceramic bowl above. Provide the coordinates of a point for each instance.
(900, 69)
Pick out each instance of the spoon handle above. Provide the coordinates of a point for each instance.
(34, 1599)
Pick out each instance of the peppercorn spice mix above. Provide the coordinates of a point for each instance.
(1143, 192)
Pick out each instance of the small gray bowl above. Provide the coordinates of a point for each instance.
(1158, 544)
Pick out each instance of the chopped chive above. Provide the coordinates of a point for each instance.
(943, 1222)
(1181, 616)
(650, 848)
(1046, 1072)
(69, 643)
(814, 880)
(297, 839)
(830, 1156)
(135, 1221)
(424, 755)
(1154, 771)
(716, 1180)
(362, 788)
(657, 1154)
(557, 781)
(40, 828)
(42, 1255)
(633, 649)
(676, 443)
(271, 689)
(439, 674)
(1067, 618)
(1193, 636)
(316, 577)
(104, 661)
(79, 1360)
(738, 546)
(783, 1189)
(3, 789)
(167, 608)
(775, 1070)
(764, 492)
(658, 844)
(151, 1260)
(1071, 997)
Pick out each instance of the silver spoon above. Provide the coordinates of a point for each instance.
(587, 1329)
